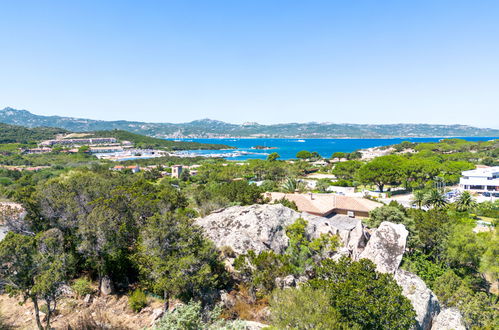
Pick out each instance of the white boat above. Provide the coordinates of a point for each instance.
(300, 141)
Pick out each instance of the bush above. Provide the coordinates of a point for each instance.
(305, 308)
(192, 317)
(82, 286)
(137, 300)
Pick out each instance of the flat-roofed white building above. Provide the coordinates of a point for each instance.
(480, 180)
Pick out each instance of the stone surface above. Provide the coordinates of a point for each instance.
(448, 319)
(88, 299)
(262, 227)
(386, 247)
(423, 300)
(106, 286)
(285, 282)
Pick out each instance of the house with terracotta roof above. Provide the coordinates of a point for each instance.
(327, 205)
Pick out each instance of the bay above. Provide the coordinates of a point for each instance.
(287, 148)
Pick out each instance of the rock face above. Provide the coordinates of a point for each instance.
(386, 247)
(106, 286)
(262, 227)
(448, 319)
(255, 227)
(423, 300)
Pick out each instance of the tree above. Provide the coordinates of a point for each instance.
(465, 202)
(434, 198)
(292, 185)
(339, 155)
(273, 156)
(386, 213)
(363, 296)
(174, 259)
(303, 154)
(478, 311)
(419, 198)
(323, 184)
(463, 248)
(347, 170)
(381, 171)
(34, 268)
(305, 308)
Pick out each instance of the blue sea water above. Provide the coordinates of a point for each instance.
(287, 148)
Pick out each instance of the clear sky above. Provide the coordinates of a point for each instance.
(246, 60)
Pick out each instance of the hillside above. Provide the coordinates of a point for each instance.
(20, 134)
(213, 128)
(147, 142)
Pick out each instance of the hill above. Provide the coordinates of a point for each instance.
(20, 134)
(147, 142)
(207, 128)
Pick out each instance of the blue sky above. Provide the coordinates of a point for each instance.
(266, 61)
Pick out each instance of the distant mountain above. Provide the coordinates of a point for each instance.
(208, 128)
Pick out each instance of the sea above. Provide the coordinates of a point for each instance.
(287, 148)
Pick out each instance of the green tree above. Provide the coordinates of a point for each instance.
(434, 198)
(386, 213)
(305, 308)
(291, 185)
(465, 202)
(273, 156)
(339, 155)
(34, 268)
(363, 296)
(174, 259)
(304, 154)
(419, 198)
(323, 184)
(347, 170)
(381, 171)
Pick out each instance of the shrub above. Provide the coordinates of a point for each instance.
(305, 308)
(192, 317)
(82, 286)
(137, 300)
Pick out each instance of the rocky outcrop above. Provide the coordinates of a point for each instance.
(255, 227)
(448, 319)
(386, 247)
(423, 300)
(262, 227)
(106, 286)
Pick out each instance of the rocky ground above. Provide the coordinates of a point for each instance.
(110, 312)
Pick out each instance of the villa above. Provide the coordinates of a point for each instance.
(327, 205)
(480, 180)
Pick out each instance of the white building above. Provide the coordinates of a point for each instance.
(480, 180)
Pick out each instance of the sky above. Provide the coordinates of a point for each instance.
(263, 61)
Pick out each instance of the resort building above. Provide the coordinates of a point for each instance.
(480, 180)
(327, 205)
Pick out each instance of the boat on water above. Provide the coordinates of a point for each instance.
(300, 140)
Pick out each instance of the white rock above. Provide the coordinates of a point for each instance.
(448, 319)
(423, 300)
(262, 227)
(386, 247)
(106, 286)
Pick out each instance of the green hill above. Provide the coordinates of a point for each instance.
(20, 134)
(143, 141)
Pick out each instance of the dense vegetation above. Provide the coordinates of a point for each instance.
(20, 134)
(86, 224)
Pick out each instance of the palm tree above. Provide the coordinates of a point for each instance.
(465, 202)
(291, 185)
(419, 198)
(435, 198)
